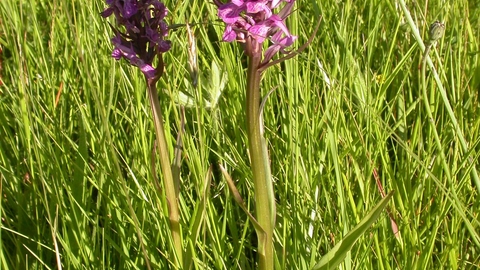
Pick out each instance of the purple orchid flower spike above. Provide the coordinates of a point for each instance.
(140, 40)
(144, 36)
(252, 21)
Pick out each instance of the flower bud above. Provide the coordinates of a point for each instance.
(436, 31)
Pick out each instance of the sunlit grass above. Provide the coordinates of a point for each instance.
(75, 125)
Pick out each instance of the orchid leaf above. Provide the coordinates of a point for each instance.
(238, 198)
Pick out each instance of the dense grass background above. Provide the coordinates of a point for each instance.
(77, 188)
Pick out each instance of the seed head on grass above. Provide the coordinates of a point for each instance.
(144, 33)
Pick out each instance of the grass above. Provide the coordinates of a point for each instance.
(76, 129)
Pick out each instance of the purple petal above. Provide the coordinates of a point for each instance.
(131, 28)
(117, 54)
(146, 69)
(240, 2)
(229, 13)
(283, 41)
(129, 9)
(279, 44)
(159, 9)
(107, 12)
(276, 21)
(287, 41)
(275, 3)
(260, 6)
(287, 9)
(117, 40)
(229, 35)
(164, 46)
(152, 35)
(125, 51)
(270, 52)
(163, 28)
(259, 31)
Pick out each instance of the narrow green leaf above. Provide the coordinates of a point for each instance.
(238, 198)
(338, 253)
(197, 220)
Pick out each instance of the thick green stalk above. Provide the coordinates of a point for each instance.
(262, 180)
(168, 181)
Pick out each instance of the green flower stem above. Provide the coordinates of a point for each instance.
(168, 181)
(428, 108)
(262, 180)
(443, 93)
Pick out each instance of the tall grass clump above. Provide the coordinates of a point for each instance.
(271, 163)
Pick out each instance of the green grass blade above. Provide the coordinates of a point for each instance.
(338, 253)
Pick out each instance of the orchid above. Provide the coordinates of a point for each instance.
(255, 19)
(144, 39)
(145, 33)
(253, 22)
